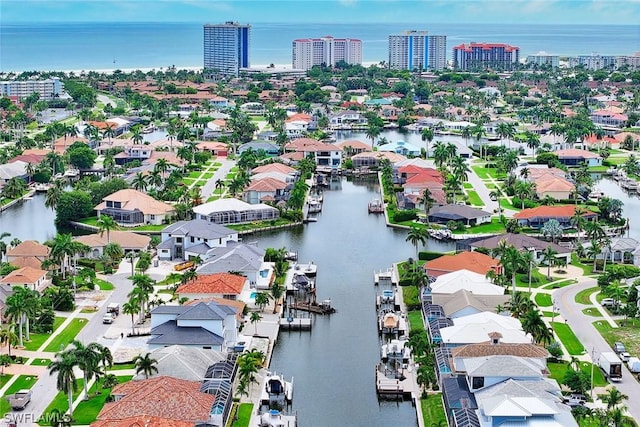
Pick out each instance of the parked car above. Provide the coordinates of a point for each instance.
(576, 397)
(624, 356)
(608, 302)
(107, 318)
(618, 347)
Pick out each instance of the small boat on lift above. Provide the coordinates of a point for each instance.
(395, 350)
(277, 393)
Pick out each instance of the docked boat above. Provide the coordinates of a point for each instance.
(440, 233)
(596, 195)
(277, 393)
(42, 187)
(309, 270)
(314, 204)
(395, 350)
(387, 297)
(275, 418)
(388, 322)
(291, 256)
(149, 129)
(376, 206)
(629, 184)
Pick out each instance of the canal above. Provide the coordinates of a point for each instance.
(333, 365)
(29, 220)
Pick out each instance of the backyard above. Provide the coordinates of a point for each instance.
(433, 410)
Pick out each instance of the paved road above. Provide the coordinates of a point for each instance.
(592, 340)
(221, 173)
(480, 187)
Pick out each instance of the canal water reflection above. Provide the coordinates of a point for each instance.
(29, 220)
(333, 365)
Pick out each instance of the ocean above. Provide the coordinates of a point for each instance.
(103, 46)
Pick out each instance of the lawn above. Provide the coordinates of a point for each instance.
(415, 320)
(568, 338)
(467, 186)
(122, 366)
(243, 415)
(474, 198)
(258, 225)
(582, 297)
(103, 284)
(558, 371)
(60, 402)
(87, 410)
(560, 284)
(195, 175)
(592, 311)
(543, 300)
(433, 410)
(495, 226)
(486, 173)
(21, 383)
(60, 341)
(207, 175)
(505, 204)
(152, 227)
(38, 339)
(537, 279)
(628, 335)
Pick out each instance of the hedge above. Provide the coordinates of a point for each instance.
(428, 256)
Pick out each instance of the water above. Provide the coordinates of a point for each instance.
(29, 220)
(99, 45)
(630, 199)
(333, 366)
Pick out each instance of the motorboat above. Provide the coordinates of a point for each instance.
(275, 418)
(388, 322)
(376, 206)
(315, 205)
(388, 296)
(395, 350)
(277, 392)
(309, 269)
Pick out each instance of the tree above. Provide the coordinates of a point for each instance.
(552, 229)
(81, 155)
(578, 220)
(262, 299)
(548, 257)
(417, 236)
(254, 319)
(614, 397)
(511, 260)
(87, 358)
(427, 200)
(277, 291)
(427, 135)
(106, 223)
(8, 336)
(140, 182)
(64, 365)
(145, 365)
(578, 381)
(373, 131)
(131, 307)
(533, 324)
(72, 206)
(14, 188)
(593, 251)
(220, 186)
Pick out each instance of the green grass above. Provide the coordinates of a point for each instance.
(40, 362)
(207, 175)
(558, 371)
(158, 227)
(487, 173)
(433, 410)
(543, 300)
(103, 284)
(495, 226)
(195, 174)
(415, 320)
(592, 311)
(537, 279)
(69, 333)
(21, 383)
(61, 402)
(474, 198)
(582, 297)
(244, 415)
(547, 313)
(568, 338)
(122, 366)
(628, 335)
(560, 284)
(38, 339)
(467, 185)
(87, 411)
(258, 225)
(505, 204)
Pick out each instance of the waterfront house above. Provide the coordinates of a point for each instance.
(368, 159)
(325, 155)
(33, 278)
(575, 156)
(17, 169)
(253, 108)
(475, 283)
(415, 173)
(244, 259)
(167, 398)
(401, 147)
(352, 146)
(129, 242)
(464, 303)
(556, 187)
(217, 285)
(609, 118)
(270, 149)
(346, 119)
(142, 420)
(476, 332)
(528, 351)
(190, 239)
(265, 189)
(234, 211)
(538, 216)
(473, 261)
(205, 325)
(277, 168)
(184, 362)
(460, 213)
(29, 253)
(131, 207)
(620, 249)
(519, 241)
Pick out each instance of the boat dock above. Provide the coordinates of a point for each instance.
(312, 307)
(389, 387)
(387, 277)
(296, 323)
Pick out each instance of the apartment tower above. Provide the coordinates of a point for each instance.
(417, 50)
(306, 53)
(226, 47)
(481, 56)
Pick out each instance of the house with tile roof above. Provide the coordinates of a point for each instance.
(519, 241)
(128, 241)
(265, 189)
(353, 146)
(242, 258)
(538, 216)
(190, 239)
(575, 156)
(164, 397)
(131, 207)
(609, 118)
(401, 147)
(473, 261)
(276, 167)
(142, 421)
(28, 253)
(368, 159)
(219, 285)
(557, 187)
(464, 303)
(325, 155)
(205, 325)
(460, 213)
(33, 278)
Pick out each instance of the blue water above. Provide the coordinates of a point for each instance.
(98, 46)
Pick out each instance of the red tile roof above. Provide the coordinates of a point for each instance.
(267, 184)
(29, 248)
(566, 211)
(574, 152)
(218, 283)
(24, 275)
(472, 261)
(142, 421)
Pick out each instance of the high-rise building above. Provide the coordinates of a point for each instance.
(325, 50)
(417, 50)
(46, 89)
(226, 47)
(542, 59)
(479, 56)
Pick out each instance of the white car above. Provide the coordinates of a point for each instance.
(624, 356)
(608, 302)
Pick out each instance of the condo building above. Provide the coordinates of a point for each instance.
(46, 89)
(417, 50)
(306, 53)
(543, 59)
(226, 47)
(480, 56)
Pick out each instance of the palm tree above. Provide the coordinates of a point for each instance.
(277, 291)
(3, 245)
(87, 358)
(145, 365)
(220, 185)
(131, 307)
(578, 220)
(262, 299)
(17, 309)
(64, 365)
(548, 257)
(106, 223)
(373, 131)
(593, 251)
(614, 397)
(109, 132)
(54, 193)
(142, 287)
(139, 182)
(254, 319)
(162, 165)
(512, 261)
(427, 200)
(416, 236)
(8, 336)
(427, 135)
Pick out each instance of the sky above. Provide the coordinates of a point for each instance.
(625, 12)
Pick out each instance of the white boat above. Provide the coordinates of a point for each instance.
(309, 269)
(395, 350)
(376, 206)
(277, 392)
(388, 296)
(275, 418)
(312, 219)
(440, 233)
(314, 204)
(42, 187)
(388, 322)
(291, 256)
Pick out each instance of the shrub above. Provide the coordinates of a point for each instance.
(428, 256)
(547, 158)
(517, 202)
(405, 215)
(410, 296)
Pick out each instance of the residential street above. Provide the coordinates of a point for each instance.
(591, 339)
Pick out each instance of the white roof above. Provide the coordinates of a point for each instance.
(12, 170)
(475, 283)
(119, 121)
(479, 332)
(228, 204)
(507, 322)
(505, 406)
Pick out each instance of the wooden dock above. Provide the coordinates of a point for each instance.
(394, 388)
(313, 307)
(296, 323)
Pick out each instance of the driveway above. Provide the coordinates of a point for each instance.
(582, 326)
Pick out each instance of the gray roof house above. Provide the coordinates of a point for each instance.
(187, 363)
(519, 241)
(464, 303)
(243, 258)
(465, 214)
(189, 239)
(206, 325)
